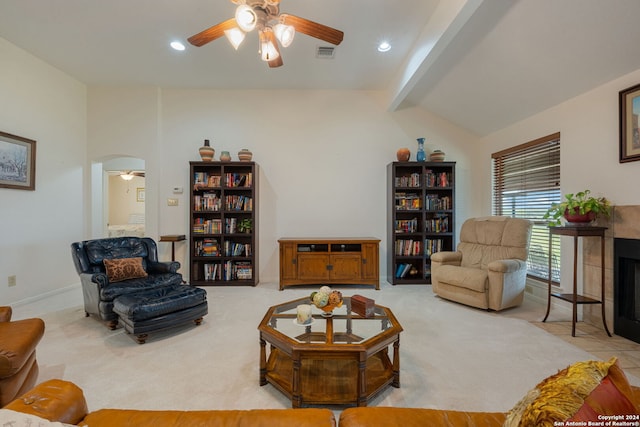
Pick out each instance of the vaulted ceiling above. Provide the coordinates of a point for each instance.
(481, 64)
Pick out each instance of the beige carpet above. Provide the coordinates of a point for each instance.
(452, 356)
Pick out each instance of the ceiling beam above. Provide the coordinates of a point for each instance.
(448, 19)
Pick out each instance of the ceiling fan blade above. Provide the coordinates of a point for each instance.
(212, 33)
(313, 29)
(274, 63)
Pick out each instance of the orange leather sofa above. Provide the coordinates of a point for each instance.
(63, 401)
(18, 365)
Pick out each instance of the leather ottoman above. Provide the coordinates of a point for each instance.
(148, 311)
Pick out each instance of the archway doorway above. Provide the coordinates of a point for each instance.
(123, 189)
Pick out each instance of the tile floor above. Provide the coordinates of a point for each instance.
(594, 340)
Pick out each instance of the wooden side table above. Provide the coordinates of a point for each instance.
(574, 298)
(173, 238)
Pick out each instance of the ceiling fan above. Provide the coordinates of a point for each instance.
(272, 26)
(129, 175)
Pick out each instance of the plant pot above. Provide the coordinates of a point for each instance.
(577, 218)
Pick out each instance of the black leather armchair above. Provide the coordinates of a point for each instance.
(99, 292)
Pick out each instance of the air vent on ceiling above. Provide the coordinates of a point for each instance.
(325, 52)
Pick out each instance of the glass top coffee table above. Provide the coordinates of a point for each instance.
(338, 360)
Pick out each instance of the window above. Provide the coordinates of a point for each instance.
(526, 181)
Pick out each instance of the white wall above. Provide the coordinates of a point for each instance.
(322, 155)
(39, 102)
(589, 145)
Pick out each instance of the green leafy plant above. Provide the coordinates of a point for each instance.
(245, 225)
(579, 203)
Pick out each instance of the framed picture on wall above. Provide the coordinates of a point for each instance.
(17, 162)
(140, 194)
(629, 133)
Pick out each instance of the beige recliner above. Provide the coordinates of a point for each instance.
(489, 269)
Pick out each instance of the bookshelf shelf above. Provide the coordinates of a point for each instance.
(223, 199)
(420, 218)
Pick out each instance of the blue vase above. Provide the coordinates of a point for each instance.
(420, 156)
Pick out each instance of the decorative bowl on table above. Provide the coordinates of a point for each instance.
(326, 300)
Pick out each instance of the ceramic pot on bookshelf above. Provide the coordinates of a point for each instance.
(403, 154)
(437, 156)
(245, 155)
(420, 155)
(225, 156)
(207, 152)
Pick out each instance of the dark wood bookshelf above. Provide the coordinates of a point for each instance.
(420, 218)
(223, 194)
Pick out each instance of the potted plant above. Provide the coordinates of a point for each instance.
(245, 225)
(580, 207)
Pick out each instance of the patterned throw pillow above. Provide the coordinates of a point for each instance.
(580, 392)
(124, 269)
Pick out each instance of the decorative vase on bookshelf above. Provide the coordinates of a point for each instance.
(225, 156)
(207, 152)
(403, 154)
(437, 156)
(420, 156)
(245, 155)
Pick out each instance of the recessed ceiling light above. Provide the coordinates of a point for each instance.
(384, 47)
(177, 45)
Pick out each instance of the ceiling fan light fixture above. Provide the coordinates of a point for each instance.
(269, 51)
(235, 36)
(128, 176)
(246, 18)
(284, 33)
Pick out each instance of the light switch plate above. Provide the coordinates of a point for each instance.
(172, 202)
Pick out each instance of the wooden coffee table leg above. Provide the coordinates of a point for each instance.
(362, 380)
(296, 393)
(396, 363)
(263, 361)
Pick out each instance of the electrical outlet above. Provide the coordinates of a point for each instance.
(172, 202)
(11, 280)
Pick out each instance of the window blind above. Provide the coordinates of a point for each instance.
(526, 181)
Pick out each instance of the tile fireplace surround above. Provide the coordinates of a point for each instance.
(624, 223)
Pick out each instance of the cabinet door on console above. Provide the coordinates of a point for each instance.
(346, 267)
(370, 261)
(313, 266)
(288, 262)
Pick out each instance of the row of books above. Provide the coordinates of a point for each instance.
(237, 249)
(434, 225)
(207, 226)
(412, 180)
(210, 202)
(408, 247)
(437, 225)
(239, 179)
(431, 179)
(406, 225)
(207, 202)
(408, 202)
(407, 270)
(435, 203)
(411, 247)
(441, 179)
(203, 179)
(206, 247)
(229, 270)
(238, 202)
(432, 246)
